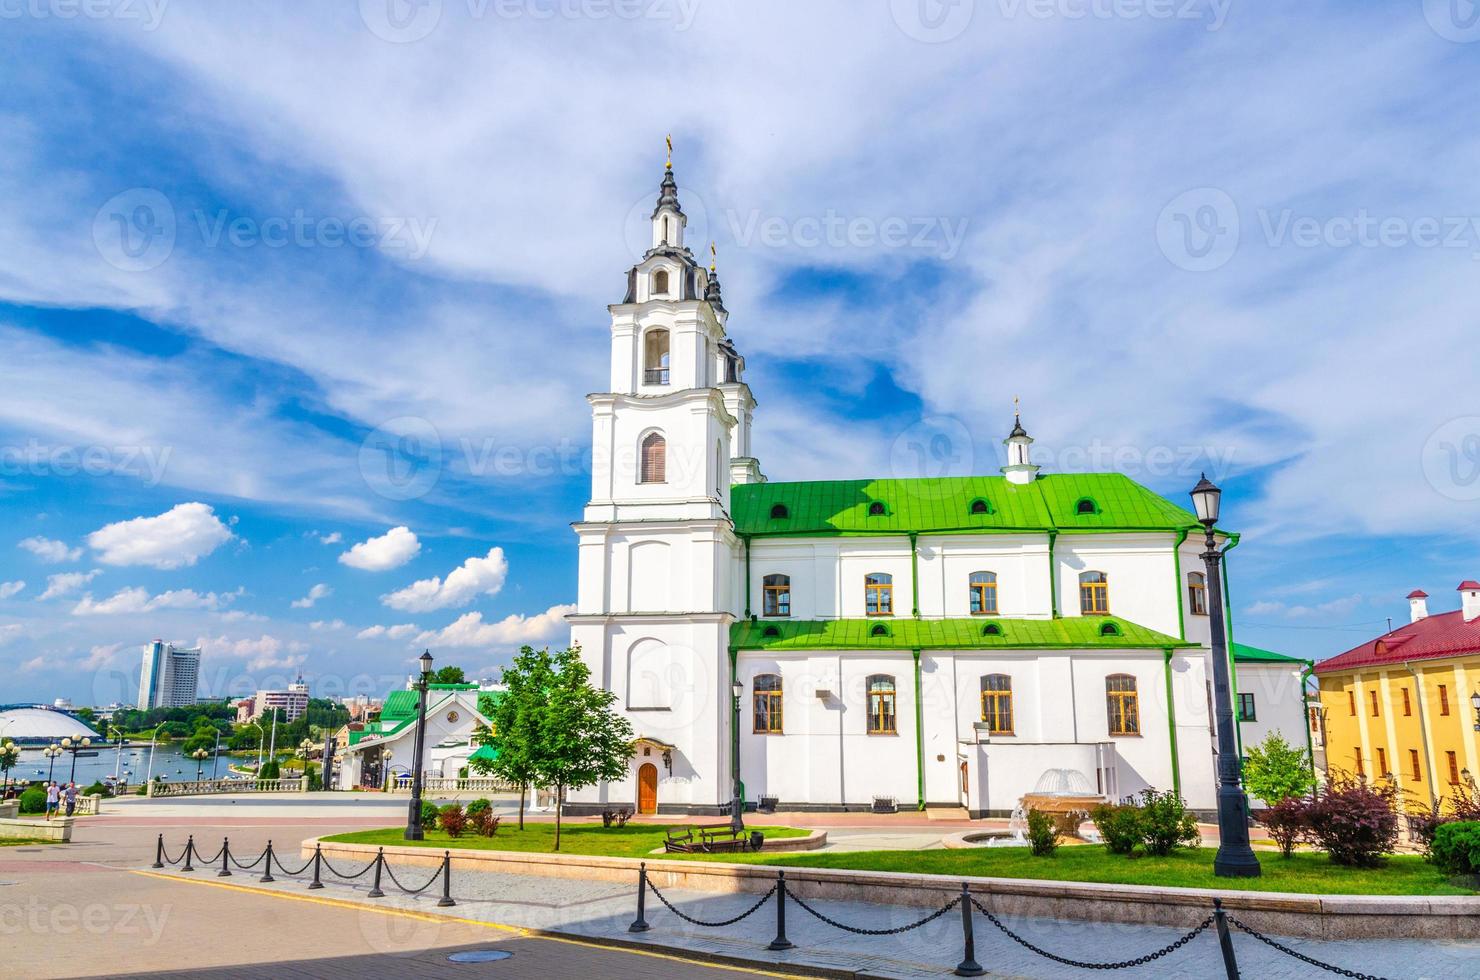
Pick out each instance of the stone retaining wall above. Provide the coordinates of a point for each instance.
(1310, 916)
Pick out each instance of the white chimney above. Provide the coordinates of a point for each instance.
(1418, 605)
(1469, 599)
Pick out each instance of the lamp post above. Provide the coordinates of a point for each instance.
(51, 752)
(216, 754)
(385, 769)
(1235, 858)
(737, 821)
(75, 746)
(199, 755)
(1475, 703)
(10, 753)
(153, 740)
(118, 755)
(413, 814)
(304, 748)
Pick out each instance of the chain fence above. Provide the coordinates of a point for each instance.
(1309, 960)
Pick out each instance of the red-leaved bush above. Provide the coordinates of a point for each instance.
(1352, 821)
(1286, 822)
(452, 819)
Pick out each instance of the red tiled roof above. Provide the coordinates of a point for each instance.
(1467, 585)
(1417, 594)
(1441, 635)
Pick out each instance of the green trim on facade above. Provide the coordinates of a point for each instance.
(1073, 633)
(919, 735)
(746, 538)
(915, 574)
(1238, 727)
(943, 505)
(1177, 571)
(1172, 722)
(1053, 578)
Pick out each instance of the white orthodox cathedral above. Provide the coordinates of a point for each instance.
(862, 643)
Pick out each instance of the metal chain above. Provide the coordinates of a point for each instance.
(411, 891)
(249, 867)
(1084, 965)
(879, 932)
(340, 874)
(170, 860)
(213, 858)
(1301, 956)
(289, 871)
(711, 925)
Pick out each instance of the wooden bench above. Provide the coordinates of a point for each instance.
(719, 839)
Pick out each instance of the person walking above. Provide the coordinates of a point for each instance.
(71, 797)
(52, 794)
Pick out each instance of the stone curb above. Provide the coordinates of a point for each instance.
(1328, 917)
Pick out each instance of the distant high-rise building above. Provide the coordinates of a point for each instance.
(169, 676)
(293, 703)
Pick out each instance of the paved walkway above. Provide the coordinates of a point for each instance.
(604, 910)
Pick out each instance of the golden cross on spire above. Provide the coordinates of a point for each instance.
(713, 255)
(669, 164)
(1016, 408)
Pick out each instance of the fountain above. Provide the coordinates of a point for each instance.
(1061, 793)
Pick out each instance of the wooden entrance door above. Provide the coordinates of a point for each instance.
(647, 788)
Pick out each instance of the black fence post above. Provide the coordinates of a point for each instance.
(267, 871)
(225, 871)
(446, 900)
(1225, 939)
(189, 853)
(375, 891)
(968, 967)
(159, 853)
(318, 857)
(639, 924)
(780, 942)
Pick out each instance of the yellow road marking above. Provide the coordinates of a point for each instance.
(519, 931)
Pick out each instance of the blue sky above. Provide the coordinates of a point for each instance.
(249, 250)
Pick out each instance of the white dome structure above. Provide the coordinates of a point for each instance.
(23, 725)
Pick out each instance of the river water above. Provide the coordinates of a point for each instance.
(169, 761)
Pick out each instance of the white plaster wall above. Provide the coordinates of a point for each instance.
(1019, 560)
(1143, 761)
(1140, 569)
(858, 557)
(1279, 702)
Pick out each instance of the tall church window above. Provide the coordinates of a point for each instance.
(997, 703)
(1123, 704)
(983, 593)
(878, 594)
(654, 459)
(1094, 594)
(766, 700)
(655, 358)
(660, 281)
(1197, 593)
(776, 600)
(882, 718)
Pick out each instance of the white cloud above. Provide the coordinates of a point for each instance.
(50, 551)
(138, 600)
(1334, 607)
(179, 537)
(469, 630)
(320, 625)
(476, 576)
(103, 655)
(9, 631)
(392, 549)
(333, 538)
(265, 652)
(8, 589)
(66, 583)
(398, 632)
(319, 591)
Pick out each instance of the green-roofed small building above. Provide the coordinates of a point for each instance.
(929, 638)
(384, 749)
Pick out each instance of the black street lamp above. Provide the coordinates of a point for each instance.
(199, 755)
(737, 821)
(74, 746)
(413, 815)
(51, 752)
(1475, 703)
(1235, 858)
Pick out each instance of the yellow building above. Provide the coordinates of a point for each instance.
(1408, 702)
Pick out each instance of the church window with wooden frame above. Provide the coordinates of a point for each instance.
(654, 459)
(878, 594)
(1094, 594)
(766, 699)
(882, 719)
(1123, 704)
(655, 359)
(983, 587)
(997, 704)
(1197, 593)
(776, 597)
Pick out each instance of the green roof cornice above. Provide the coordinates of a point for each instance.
(1071, 633)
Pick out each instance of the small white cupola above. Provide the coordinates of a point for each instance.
(1469, 600)
(1418, 605)
(669, 220)
(1019, 468)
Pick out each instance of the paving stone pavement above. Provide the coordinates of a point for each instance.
(606, 909)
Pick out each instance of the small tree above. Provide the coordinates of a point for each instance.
(1276, 770)
(1043, 833)
(448, 675)
(518, 721)
(1165, 822)
(582, 740)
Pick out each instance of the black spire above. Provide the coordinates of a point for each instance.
(1017, 427)
(712, 293)
(668, 192)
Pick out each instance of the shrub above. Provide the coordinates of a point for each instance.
(1356, 824)
(428, 816)
(1043, 833)
(270, 770)
(485, 821)
(97, 789)
(1165, 823)
(1286, 823)
(33, 800)
(1275, 770)
(477, 806)
(1119, 827)
(452, 819)
(1456, 848)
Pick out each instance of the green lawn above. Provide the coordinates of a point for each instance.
(1405, 874)
(24, 841)
(634, 840)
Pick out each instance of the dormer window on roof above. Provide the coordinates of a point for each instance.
(877, 509)
(1109, 629)
(779, 512)
(981, 506)
(991, 629)
(880, 629)
(1086, 505)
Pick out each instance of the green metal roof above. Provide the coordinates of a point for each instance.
(944, 504)
(1070, 633)
(1242, 653)
(487, 753)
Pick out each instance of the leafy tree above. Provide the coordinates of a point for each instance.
(448, 675)
(518, 719)
(582, 740)
(1276, 770)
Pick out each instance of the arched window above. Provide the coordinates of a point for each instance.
(766, 698)
(655, 358)
(881, 704)
(1123, 705)
(1086, 506)
(770, 632)
(1197, 593)
(776, 595)
(997, 703)
(654, 459)
(878, 594)
(1094, 594)
(991, 629)
(880, 630)
(779, 512)
(980, 506)
(665, 231)
(983, 587)
(660, 278)
(877, 509)
(1109, 629)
